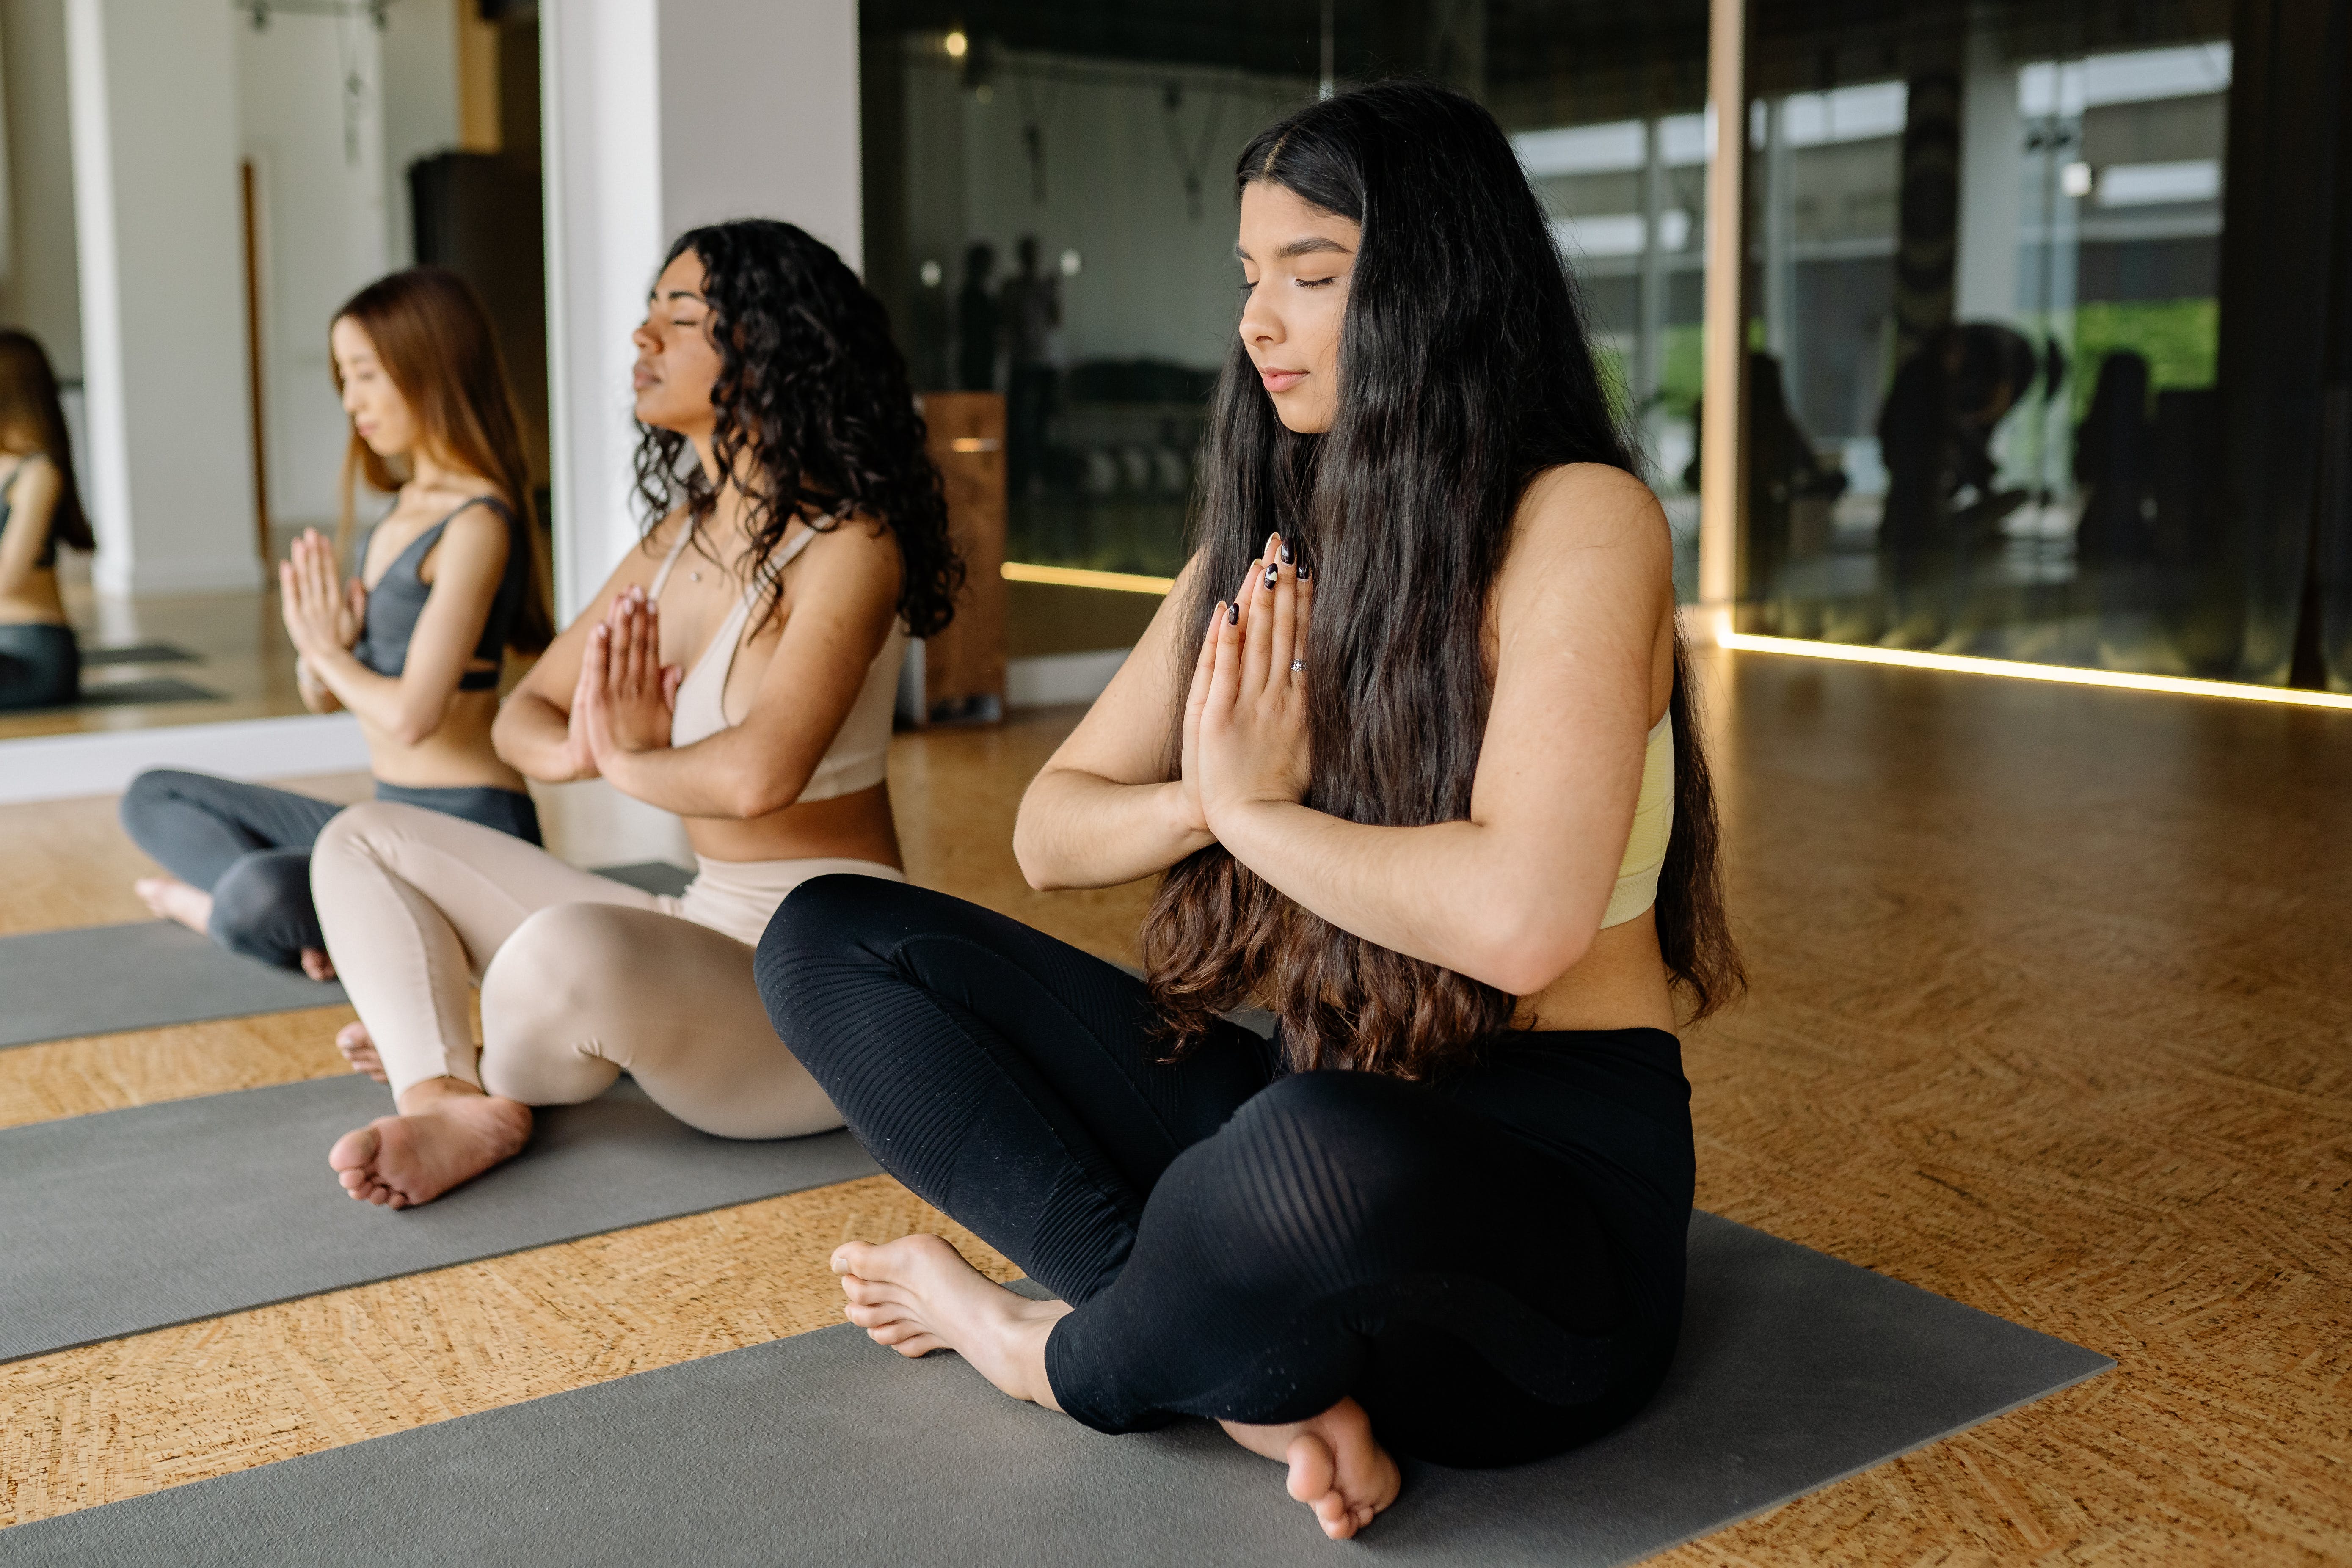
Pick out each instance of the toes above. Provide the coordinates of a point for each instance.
(1313, 1471)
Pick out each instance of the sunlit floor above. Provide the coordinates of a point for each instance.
(2050, 1011)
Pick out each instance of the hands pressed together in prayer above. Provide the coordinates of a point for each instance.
(625, 695)
(1246, 731)
(324, 614)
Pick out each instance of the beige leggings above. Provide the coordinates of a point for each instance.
(582, 976)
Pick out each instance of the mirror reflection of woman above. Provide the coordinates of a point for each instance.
(449, 579)
(740, 670)
(1411, 745)
(40, 508)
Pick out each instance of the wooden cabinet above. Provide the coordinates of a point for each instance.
(963, 667)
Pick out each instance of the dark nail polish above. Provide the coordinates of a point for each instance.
(1233, 615)
(1302, 571)
(1270, 573)
(1288, 555)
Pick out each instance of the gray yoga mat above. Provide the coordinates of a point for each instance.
(154, 689)
(101, 980)
(1795, 1370)
(129, 1220)
(138, 653)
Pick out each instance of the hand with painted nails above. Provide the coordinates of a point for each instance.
(627, 694)
(1246, 737)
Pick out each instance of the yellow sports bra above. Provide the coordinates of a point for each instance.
(1654, 824)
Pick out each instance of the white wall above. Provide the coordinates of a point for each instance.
(40, 290)
(319, 168)
(660, 115)
(1156, 280)
(153, 92)
(419, 50)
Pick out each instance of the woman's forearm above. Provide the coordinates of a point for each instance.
(728, 775)
(376, 698)
(1077, 829)
(1452, 893)
(533, 736)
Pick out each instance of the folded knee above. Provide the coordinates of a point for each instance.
(261, 906)
(150, 791)
(561, 965)
(822, 924)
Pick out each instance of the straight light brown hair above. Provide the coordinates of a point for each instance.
(434, 339)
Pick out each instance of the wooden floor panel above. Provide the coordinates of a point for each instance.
(2051, 1013)
(142, 1066)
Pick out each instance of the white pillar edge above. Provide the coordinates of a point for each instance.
(1726, 330)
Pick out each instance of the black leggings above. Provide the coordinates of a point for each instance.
(40, 665)
(1243, 1243)
(250, 846)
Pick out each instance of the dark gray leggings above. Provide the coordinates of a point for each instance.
(250, 846)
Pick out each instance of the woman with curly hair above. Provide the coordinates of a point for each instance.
(1412, 745)
(739, 670)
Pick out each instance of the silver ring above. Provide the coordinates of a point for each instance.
(1297, 664)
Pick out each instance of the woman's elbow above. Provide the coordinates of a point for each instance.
(1524, 956)
(757, 792)
(1030, 856)
(415, 729)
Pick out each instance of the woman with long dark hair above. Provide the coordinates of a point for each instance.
(448, 580)
(739, 670)
(1412, 745)
(40, 508)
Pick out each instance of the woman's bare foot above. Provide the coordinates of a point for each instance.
(447, 1132)
(171, 899)
(1335, 1467)
(917, 1295)
(317, 964)
(359, 1050)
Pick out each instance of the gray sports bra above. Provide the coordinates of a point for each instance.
(399, 595)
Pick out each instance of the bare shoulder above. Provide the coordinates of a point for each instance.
(31, 478)
(478, 525)
(1591, 505)
(858, 543)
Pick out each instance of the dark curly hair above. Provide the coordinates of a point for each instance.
(811, 385)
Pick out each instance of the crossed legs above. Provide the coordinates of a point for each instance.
(581, 977)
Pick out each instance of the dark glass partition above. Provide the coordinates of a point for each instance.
(1049, 214)
(2015, 302)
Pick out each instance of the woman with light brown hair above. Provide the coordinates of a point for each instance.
(40, 508)
(448, 580)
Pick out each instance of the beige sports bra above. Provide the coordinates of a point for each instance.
(1654, 824)
(859, 756)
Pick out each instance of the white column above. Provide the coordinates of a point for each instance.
(154, 88)
(661, 115)
(1723, 488)
(1992, 152)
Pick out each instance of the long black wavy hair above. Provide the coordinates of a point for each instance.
(811, 386)
(1465, 372)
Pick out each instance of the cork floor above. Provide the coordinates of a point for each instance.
(2050, 1015)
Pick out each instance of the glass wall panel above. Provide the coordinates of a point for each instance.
(1984, 275)
(1049, 214)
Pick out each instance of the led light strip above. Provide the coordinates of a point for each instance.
(1080, 577)
(1747, 642)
